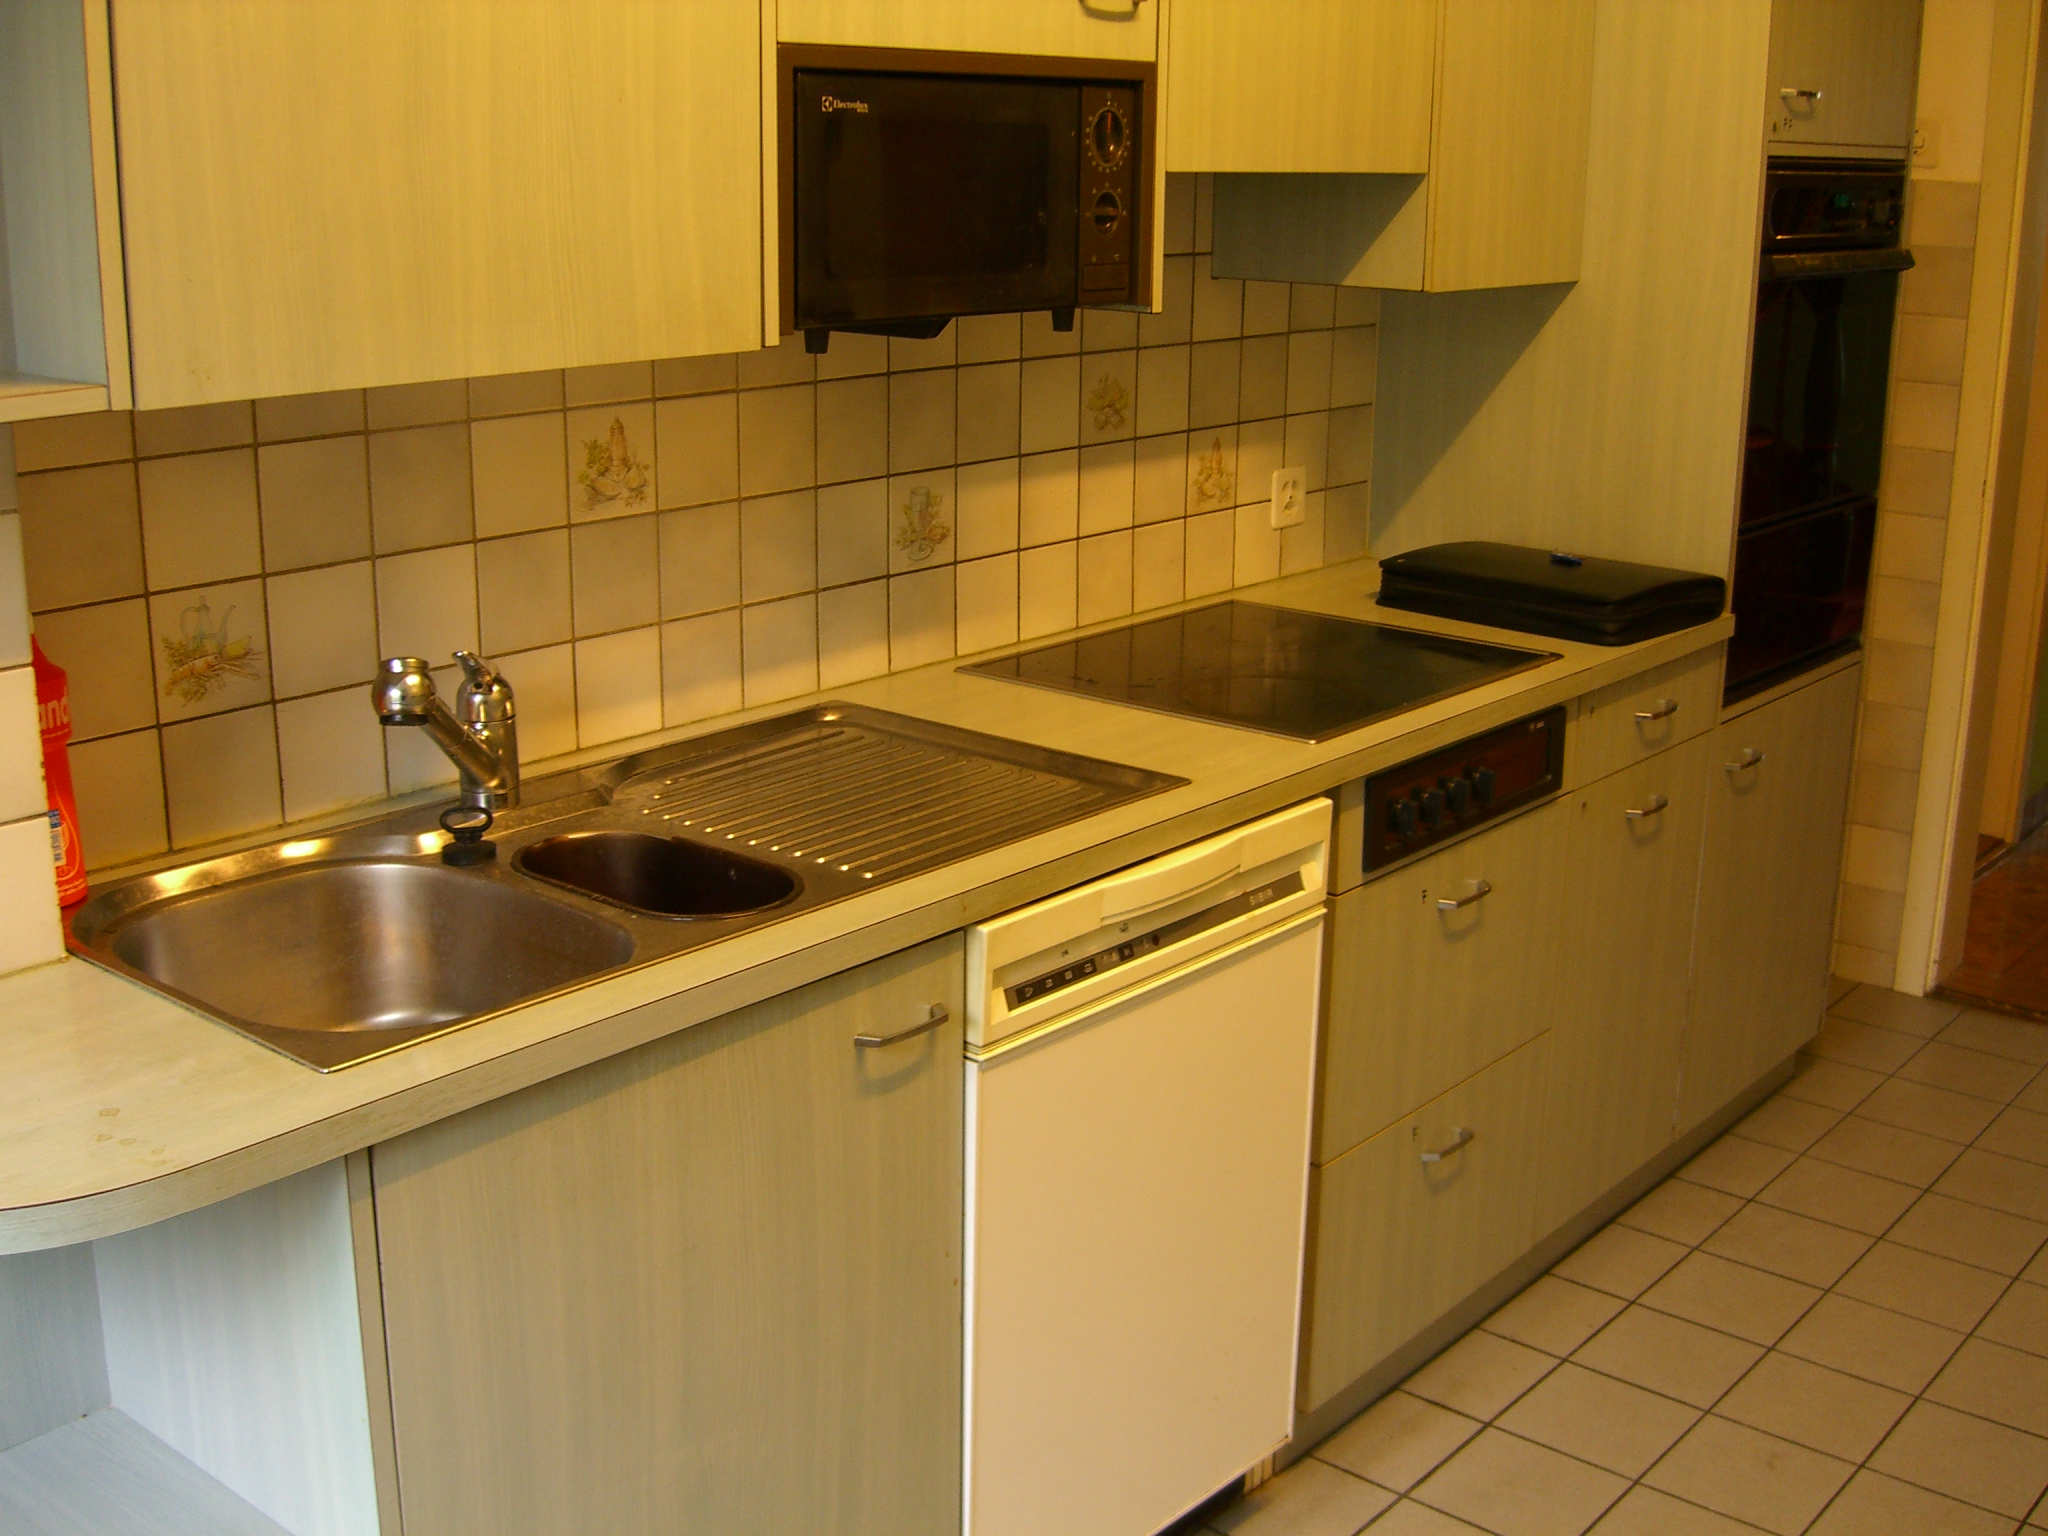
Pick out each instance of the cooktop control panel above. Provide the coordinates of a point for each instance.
(1428, 800)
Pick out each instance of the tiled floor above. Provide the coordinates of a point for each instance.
(1834, 1319)
(2005, 954)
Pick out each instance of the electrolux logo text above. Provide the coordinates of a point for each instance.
(834, 104)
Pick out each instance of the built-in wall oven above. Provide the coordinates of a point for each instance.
(1826, 295)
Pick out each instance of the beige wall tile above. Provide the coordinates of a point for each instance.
(1261, 377)
(1312, 307)
(194, 428)
(1205, 212)
(1163, 389)
(700, 560)
(315, 502)
(1108, 330)
(1350, 445)
(1930, 349)
(1046, 595)
(788, 363)
(613, 467)
(1939, 283)
(1050, 404)
(618, 686)
(285, 416)
(698, 439)
(1212, 470)
(419, 487)
(779, 649)
(1211, 552)
(921, 628)
(853, 633)
(515, 394)
(1357, 306)
(607, 384)
(426, 603)
(416, 405)
(1309, 368)
(777, 439)
(1266, 307)
(1103, 578)
(909, 352)
(615, 580)
(522, 590)
(988, 407)
(1923, 416)
(1158, 564)
(81, 536)
(211, 647)
(1909, 546)
(13, 593)
(1256, 547)
(1218, 305)
(199, 518)
(1347, 521)
(64, 442)
(1942, 212)
(1354, 365)
(922, 513)
(1877, 858)
(1174, 324)
(1898, 674)
(29, 930)
(1853, 963)
(1261, 451)
(1301, 547)
(1108, 401)
(984, 338)
(921, 420)
(220, 776)
(853, 532)
(323, 628)
(1869, 919)
(987, 503)
(119, 782)
(545, 682)
(21, 756)
(985, 602)
(696, 375)
(1916, 480)
(1107, 487)
(1213, 379)
(330, 752)
(778, 546)
(106, 650)
(1048, 497)
(1903, 610)
(1307, 447)
(853, 429)
(850, 355)
(1883, 797)
(518, 466)
(1037, 338)
(700, 667)
(1177, 221)
(1159, 478)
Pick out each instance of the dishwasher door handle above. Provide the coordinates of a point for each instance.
(1162, 882)
(939, 1014)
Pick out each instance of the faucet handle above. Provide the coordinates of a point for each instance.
(479, 672)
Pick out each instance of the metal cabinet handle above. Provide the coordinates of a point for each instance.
(1664, 710)
(1461, 1138)
(1748, 757)
(1792, 92)
(1112, 10)
(1644, 813)
(1481, 889)
(939, 1014)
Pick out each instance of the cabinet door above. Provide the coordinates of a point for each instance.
(1420, 997)
(1088, 29)
(1777, 798)
(1861, 57)
(326, 196)
(1318, 87)
(1629, 895)
(711, 1286)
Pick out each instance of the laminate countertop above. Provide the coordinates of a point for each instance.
(119, 1107)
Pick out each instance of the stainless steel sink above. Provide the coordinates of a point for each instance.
(338, 948)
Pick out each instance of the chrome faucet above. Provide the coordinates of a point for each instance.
(479, 734)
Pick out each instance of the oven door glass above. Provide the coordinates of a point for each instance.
(1798, 598)
(920, 196)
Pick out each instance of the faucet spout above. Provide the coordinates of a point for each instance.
(478, 735)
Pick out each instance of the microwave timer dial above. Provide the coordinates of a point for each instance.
(1109, 138)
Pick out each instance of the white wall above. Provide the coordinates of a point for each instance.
(1955, 61)
(29, 934)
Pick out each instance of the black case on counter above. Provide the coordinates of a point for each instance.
(1546, 592)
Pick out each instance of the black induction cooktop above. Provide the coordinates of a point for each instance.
(1305, 675)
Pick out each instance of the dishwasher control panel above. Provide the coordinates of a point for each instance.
(1428, 800)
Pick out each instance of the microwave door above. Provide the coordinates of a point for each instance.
(919, 197)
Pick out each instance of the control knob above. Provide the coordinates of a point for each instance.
(1482, 786)
(1432, 807)
(1401, 816)
(1458, 795)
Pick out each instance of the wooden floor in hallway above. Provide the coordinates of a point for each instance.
(2005, 956)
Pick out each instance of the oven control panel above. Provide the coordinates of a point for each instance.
(1427, 800)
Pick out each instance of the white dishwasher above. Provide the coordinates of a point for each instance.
(1141, 1055)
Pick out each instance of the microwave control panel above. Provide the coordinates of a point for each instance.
(1428, 800)
(1109, 193)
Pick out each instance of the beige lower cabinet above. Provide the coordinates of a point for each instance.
(710, 1286)
(1628, 891)
(1777, 797)
(1409, 1224)
(1091, 29)
(1422, 996)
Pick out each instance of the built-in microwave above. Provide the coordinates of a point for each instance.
(918, 187)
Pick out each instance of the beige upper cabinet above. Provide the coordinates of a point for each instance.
(1388, 143)
(1096, 29)
(1842, 77)
(327, 196)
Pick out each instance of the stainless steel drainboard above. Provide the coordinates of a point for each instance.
(879, 796)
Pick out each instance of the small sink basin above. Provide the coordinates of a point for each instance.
(339, 949)
(665, 876)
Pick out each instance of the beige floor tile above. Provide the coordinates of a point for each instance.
(1994, 1382)
(1646, 1512)
(1683, 1212)
(1836, 1084)
(1794, 1124)
(1889, 1151)
(1620, 1260)
(1960, 1070)
(1598, 1419)
(1829, 1192)
(1736, 1166)
(1966, 1458)
(1928, 1110)
(1853, 1336)
(1409, 1518)
(1876, 1505)
(1398, 1441)
(1813, 1406)
(2006, 1184)
(1923, 1285)
(1670, 1355)
(1788, 1244)
(1863, 1045)
(1972, 1233)
(1732, 1297)
(1311, 1498)
(1923, 1016)
(1750, 1475)
(1517, 1488)
(1480, 1374)
(1554, 1315)
(2020, 1319)
(2035, 1095)
(2017, 1132)
(2021, 1039)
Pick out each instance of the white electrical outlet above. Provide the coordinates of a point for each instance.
(1290, 488)
(1927, 143)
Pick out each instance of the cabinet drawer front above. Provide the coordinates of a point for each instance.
(1395, 1242)
(1628, 721)
(1420, 996)
(1054, 28)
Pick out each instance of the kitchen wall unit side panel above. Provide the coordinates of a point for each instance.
(1340, 86)
(1420, 998)
(52, 1366)
(318, 197)
(1777, 796)
(1062, 28)
(1861, 58)
(712, 1285)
